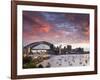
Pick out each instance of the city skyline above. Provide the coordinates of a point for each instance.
(57, 28)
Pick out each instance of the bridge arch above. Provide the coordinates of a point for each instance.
(42, 45)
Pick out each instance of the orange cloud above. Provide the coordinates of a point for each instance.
(45, 29)
(86, 32)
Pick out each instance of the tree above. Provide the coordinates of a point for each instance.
(40, 66)
(27, 59)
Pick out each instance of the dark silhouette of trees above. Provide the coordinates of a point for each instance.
(26, 59)
(40, 66)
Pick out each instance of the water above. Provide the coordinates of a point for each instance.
(66, 60)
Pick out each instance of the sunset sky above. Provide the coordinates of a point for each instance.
(57, 28)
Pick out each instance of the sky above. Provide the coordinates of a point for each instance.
(56, 27)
